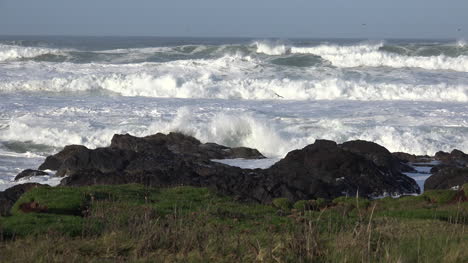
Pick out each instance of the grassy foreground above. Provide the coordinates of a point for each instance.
(186, 224)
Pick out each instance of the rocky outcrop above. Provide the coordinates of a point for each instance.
(55, 161)
(323, 169)
(451, 172)
(456, 158)
(447, 178)
(412, 158)
(377, 154)
(179, 143)
(30, 173)
(11, 195)
(132, 153)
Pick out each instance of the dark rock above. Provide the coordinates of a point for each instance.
(30, 173)
(182, 144)
(102, 159)
(11, 195)
(411, 158)
(323, 169)
(447, 178)
(377, 154)
(327, 170)
(55, 161)
(437, 168)
(456, 158)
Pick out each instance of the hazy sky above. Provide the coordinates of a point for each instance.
(249, 18)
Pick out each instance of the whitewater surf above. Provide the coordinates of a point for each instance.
(273, 95)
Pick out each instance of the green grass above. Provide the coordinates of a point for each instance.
(188, 224)
(60, 200)
(439, 196)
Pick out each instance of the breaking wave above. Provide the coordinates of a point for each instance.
(272, 49)
(371, 56)
(452, 57)
(229, 77)
(448, 57)
(9, 52)
(272, 137)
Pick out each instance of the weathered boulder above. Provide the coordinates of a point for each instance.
(447, 178)
(54, 162)
(377, 154)
(455, 158)
(75, 157)
(325, 169)
(103, 159)
(182, 144)
(412, 158)
(11, 195)
(30, 173)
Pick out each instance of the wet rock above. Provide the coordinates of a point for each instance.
(30, 173)
(447, 178)
(55, 161)
(11, 195)
(455, 158)
(323, 169)
(411, 158)
(327, 170)
(377, 154)
(102, 159)
(182, 144)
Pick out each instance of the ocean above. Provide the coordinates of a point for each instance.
(269, 94)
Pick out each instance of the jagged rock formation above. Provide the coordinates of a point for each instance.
(323, 169)
(451, 172)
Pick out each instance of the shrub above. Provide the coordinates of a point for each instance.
(321, 203)
(318, 204)
(345, 200)
(282, 203)
(302, 205)
(440, 196)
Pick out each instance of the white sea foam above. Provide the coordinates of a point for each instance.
(228, 77)
(51, 180)
(233, 94)
(10, 52)
(271, 48)
(273, 136)
(149, 50)
(368, 55)
(461, 43)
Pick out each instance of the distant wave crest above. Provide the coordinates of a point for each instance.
(272, 49)
(375, 55)
(366, 55)
(223, 78)
(10, 52)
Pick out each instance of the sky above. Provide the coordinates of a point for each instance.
(238, 18)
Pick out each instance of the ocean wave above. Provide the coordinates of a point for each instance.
(210, 87)
(273, 137)
(272, 48)
(440, 57)
(9, 52)
(368, 55)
